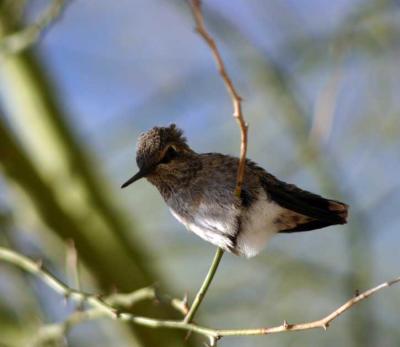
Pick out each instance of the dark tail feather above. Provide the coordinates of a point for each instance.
(340, 209)
(309, 211)
(337, 212)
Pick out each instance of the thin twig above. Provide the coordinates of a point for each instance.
(320, 323)
(204, 287)
(195, 6)
(105, 309)
(56, 331)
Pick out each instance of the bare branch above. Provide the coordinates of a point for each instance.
(57, 331)
(195, 6)
(103, 308)
(320, 323)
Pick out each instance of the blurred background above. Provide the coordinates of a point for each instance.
(320, 82)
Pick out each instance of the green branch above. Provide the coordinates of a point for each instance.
(204, 287)
(105, 308)
(26, 37)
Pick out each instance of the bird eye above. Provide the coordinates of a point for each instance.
(169, 155)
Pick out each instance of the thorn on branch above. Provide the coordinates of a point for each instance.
(157, 294)
(83, 298)
(213, 340)
(263, 331)
(100, 297)
(80, 306)
(185, 301)
(39, 264)
(117, 313)
(156, 288)
(67, 296)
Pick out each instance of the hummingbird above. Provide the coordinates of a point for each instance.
(199, 191)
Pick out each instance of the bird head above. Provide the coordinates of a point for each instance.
(159, 146)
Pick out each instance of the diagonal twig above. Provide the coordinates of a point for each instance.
(195, 6)
(204, 287)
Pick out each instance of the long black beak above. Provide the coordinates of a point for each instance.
(134, 178)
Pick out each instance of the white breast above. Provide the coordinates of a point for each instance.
(258, 225)
(215, 231)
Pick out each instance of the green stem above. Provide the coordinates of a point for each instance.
(204, 287)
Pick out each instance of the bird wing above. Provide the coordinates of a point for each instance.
(298, 200)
